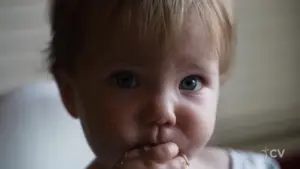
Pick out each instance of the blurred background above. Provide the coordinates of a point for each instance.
(259, 106)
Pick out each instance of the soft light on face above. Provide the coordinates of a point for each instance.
(135, 93)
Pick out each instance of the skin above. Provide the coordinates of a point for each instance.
(145, 95)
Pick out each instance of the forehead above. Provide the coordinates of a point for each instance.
(110, 39)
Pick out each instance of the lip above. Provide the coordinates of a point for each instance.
(158, 136)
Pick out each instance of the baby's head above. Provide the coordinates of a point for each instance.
(141, 72)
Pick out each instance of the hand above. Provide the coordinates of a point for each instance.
(164, 156)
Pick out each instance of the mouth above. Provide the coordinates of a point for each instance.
(146, 146)
(158, 137)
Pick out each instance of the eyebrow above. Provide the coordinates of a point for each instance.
(123, 62)
(204, 67)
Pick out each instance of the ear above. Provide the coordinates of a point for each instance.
(67, 91)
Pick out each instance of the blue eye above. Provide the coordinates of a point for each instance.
(125, 79)
(191, 83)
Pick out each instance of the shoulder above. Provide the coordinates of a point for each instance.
(249, 160)
(218, 158)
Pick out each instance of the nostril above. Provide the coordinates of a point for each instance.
(159, 112)
(167, 122)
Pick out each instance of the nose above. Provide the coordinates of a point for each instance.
(159, 109)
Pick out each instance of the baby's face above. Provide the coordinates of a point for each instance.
(133, 93)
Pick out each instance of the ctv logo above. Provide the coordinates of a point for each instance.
(274, 153)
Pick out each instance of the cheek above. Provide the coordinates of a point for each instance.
(108, 123)
(197, 125)
(197, 122)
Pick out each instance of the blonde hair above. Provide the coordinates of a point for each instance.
(160, 17)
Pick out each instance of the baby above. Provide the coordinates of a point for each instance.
(143, 78)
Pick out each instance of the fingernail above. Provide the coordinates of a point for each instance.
(186, 159)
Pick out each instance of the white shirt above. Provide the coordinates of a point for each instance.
(251, 160)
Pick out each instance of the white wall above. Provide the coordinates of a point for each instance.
(298, 47)
(267, 58)
(24, 34)
(37, 133)
(262, 97)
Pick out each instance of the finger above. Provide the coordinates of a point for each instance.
(133, 153)
(138, 163)
(163, 152)
(136, 152)
(178, 162)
